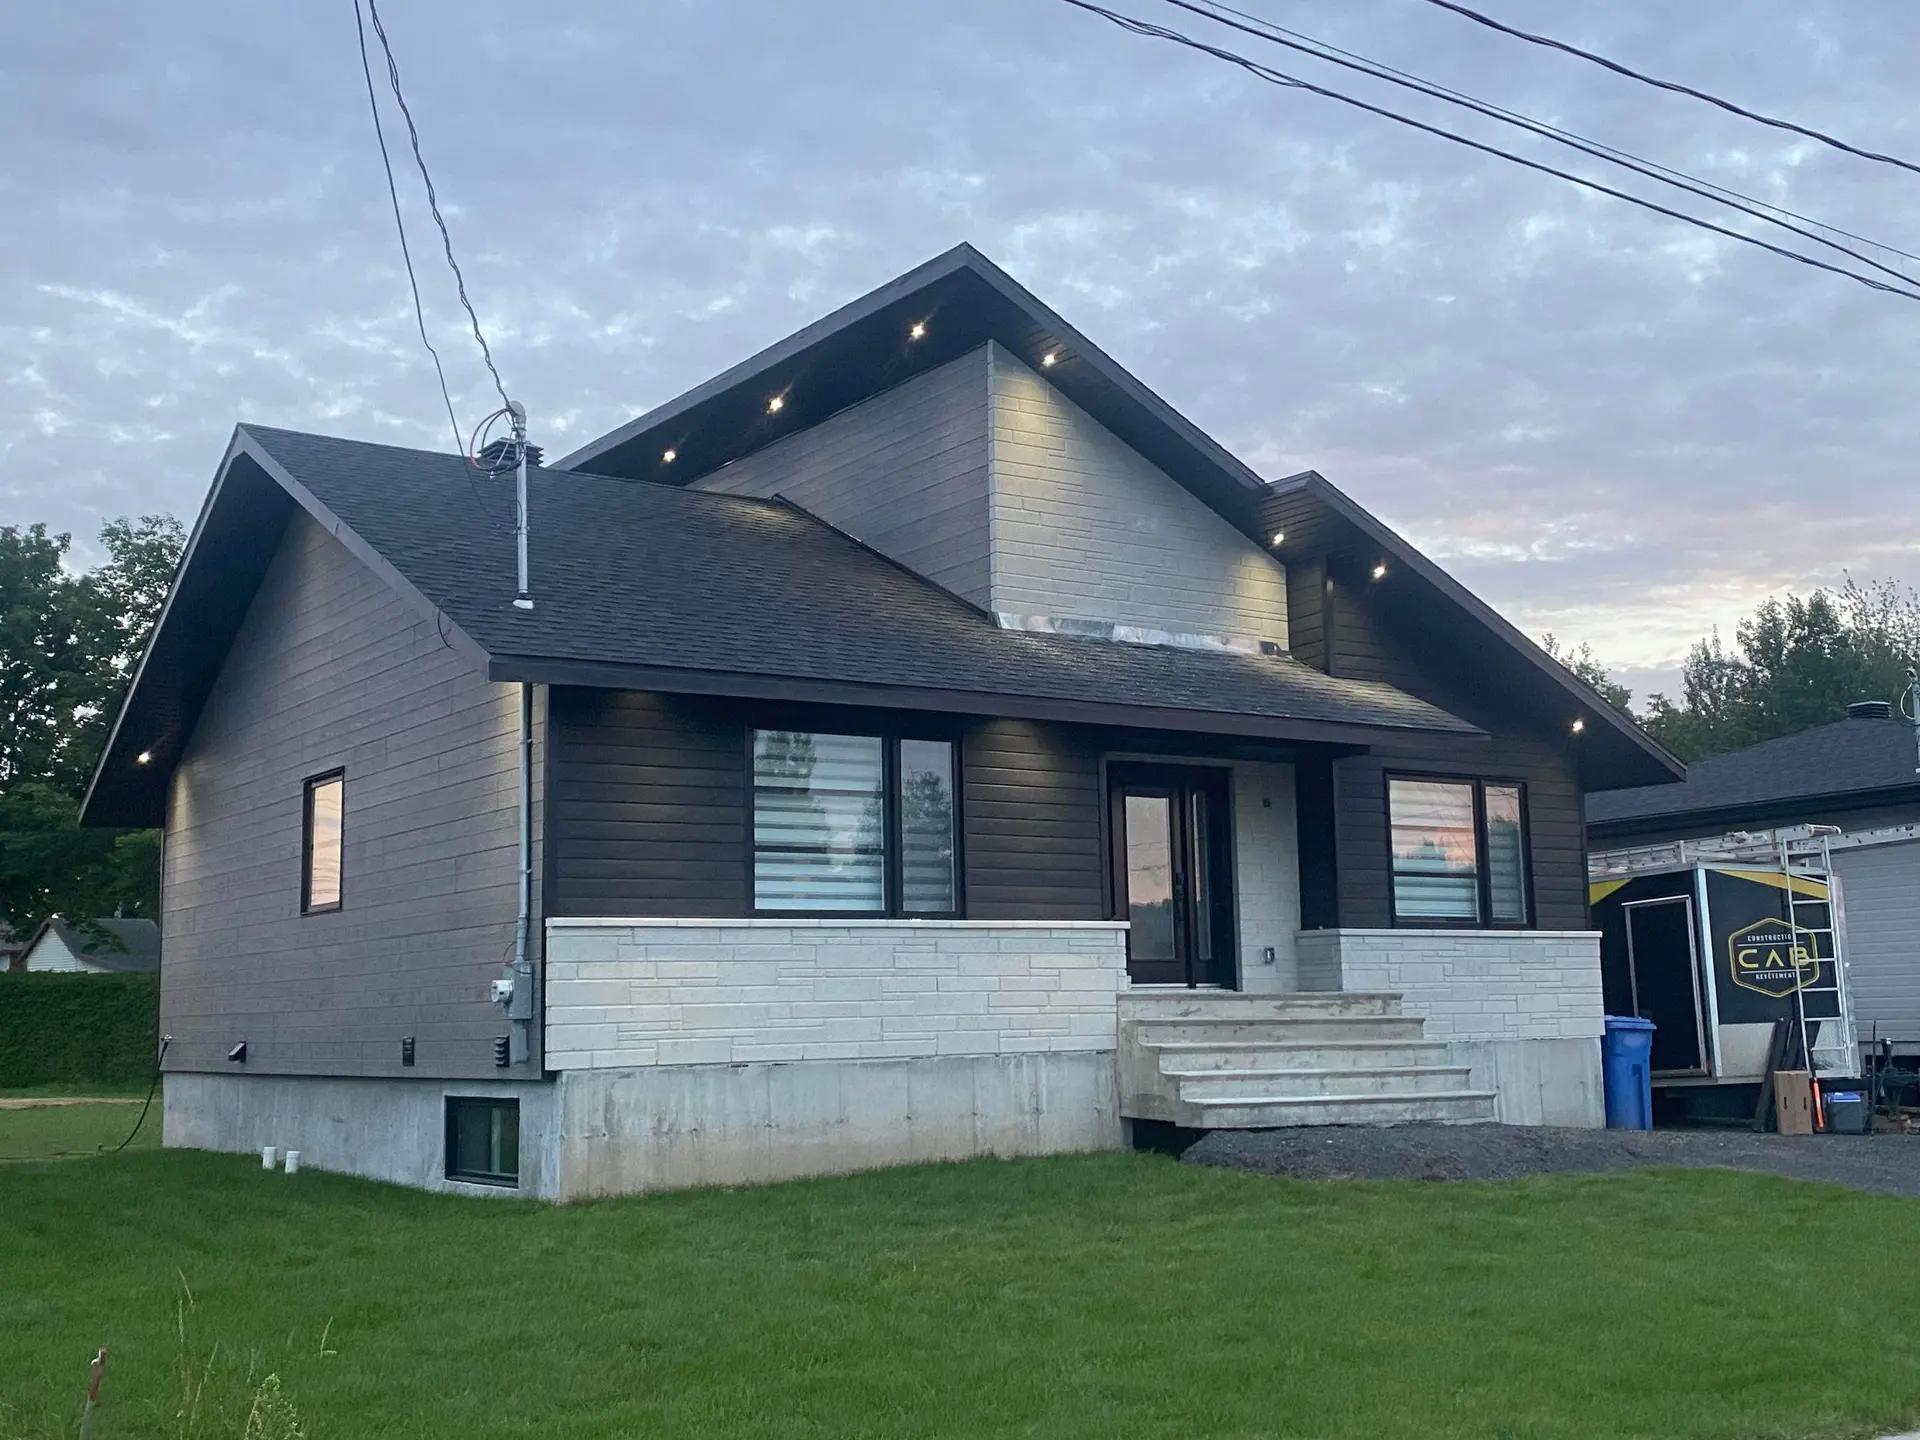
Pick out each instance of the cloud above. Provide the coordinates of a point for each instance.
(1609, 424)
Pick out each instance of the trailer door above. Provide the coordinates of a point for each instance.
(1663, 959)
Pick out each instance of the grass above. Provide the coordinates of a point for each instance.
(1123, 1295)
(39, 1130)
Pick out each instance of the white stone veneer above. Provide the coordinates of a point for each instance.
(626, 993)
(1523, 1008)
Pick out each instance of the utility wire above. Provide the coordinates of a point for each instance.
(1277, 77)
(1665, 174)
(1673, 85)
(433, 201)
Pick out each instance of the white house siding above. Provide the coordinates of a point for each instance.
(1085, 528)
(51, 956)
(1880, 894)
(1522, 1007)
(1267, 865)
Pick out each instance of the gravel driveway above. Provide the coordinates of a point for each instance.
(1887, 1163)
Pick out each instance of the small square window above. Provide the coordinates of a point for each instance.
(323, 819)
(483, 1140)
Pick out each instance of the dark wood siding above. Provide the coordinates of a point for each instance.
(1032, 822)
(649, 805)
(331, 669)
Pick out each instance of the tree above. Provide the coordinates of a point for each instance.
(1586, 666)
(68, 644)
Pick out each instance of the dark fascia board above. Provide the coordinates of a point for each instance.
(243, 446)
(541, 670)
(1091, 367)
(1592, 706)
(1770, 811)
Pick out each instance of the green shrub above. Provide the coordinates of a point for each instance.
(78, 1029)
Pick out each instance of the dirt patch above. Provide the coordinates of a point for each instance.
(31, 1102)
(1886, 1163)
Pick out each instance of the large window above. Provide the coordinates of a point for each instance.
(483, 1140)
(324, 813)
(853, 825)
(1459, 851)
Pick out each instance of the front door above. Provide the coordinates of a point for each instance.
(1172, 873)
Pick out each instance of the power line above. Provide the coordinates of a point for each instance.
(433, 200)
(1277, 77)
(1325, 50)
(1673, 85)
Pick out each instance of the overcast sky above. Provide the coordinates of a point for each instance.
(1609, 424)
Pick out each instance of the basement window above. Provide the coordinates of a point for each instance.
(483, 1140)
(1459, 852)
(854, 825)
(323, 817)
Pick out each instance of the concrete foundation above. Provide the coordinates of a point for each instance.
(382, 1129)
(609, 1132)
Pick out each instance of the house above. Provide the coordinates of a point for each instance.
(922, 741)
(101, 947)
(1860, 773)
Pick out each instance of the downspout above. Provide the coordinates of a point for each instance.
(520, 1007)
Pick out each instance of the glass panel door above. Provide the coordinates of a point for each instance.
(1172, 876)
(1154, 947)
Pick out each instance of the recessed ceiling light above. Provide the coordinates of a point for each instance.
(1050, 357)
(776, 404)
(1578, 726)
(1278, 536)
(668, 456)
(919, 329)
(145, 757)
(1380, 571)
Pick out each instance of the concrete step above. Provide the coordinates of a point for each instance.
(1337, 1029)
(1228, 1004)
(1255, 1084)
(1296, 1055)
(1448, 1107)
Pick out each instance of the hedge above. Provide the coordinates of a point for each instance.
(78, 1029)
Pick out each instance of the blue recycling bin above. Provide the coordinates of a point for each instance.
(1626, 1067)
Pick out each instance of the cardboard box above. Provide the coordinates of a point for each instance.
(1793, 1101)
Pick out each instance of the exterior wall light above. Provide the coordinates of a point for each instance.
(668, 456)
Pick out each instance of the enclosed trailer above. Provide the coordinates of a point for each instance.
(1716, 940)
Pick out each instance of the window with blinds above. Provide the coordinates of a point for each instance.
(1459, 851)
(853, 825)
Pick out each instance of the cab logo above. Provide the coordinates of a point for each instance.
(1772, 957)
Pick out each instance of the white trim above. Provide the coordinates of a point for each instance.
(800, 922)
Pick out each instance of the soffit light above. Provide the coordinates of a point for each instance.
(145, 757)
(668, 456)
(1278, 536)
(776, 404)
(919, 329)
(1047, 359)
(1578, 726)
(1380, 571)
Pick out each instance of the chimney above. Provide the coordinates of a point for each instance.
(1870, 710)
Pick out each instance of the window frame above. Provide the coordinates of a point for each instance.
(892, 860)
(1483, 869)
(450, 1105)
(307, 787)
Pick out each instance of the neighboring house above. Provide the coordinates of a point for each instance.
(102, 947)
(1860, 773)
(923, 742)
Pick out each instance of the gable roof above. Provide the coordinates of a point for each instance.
(1858, 760)
(1318, 518)
(128, 946)
(965, 300)
(646, 586)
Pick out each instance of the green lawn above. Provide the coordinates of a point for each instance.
(1103, 1297)
(39, 1130)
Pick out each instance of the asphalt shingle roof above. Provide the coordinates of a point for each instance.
(1845, 756)
(628, 572)
(127, 945)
